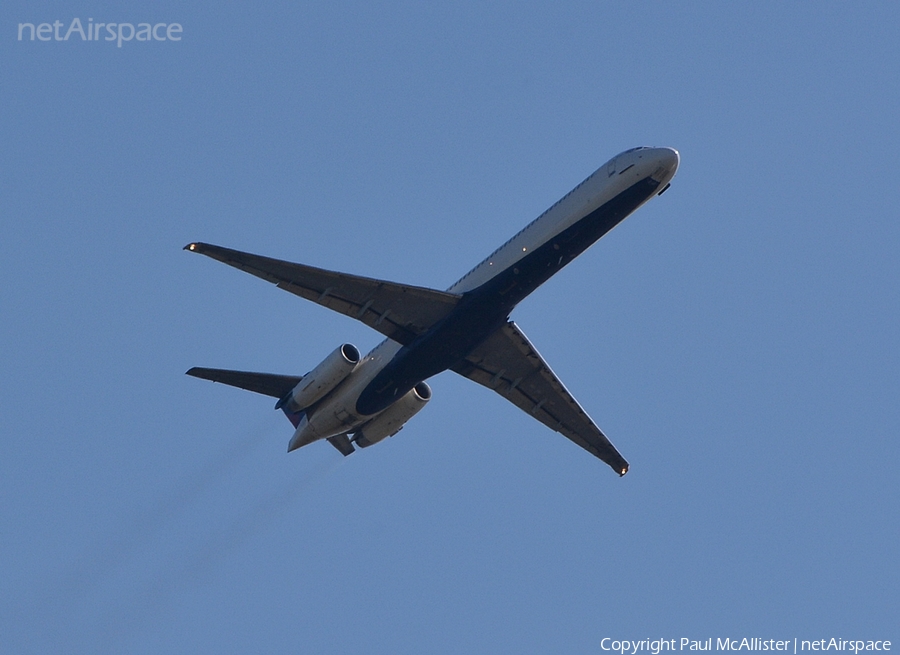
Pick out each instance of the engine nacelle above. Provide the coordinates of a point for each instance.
(391, 420)
(316, 384)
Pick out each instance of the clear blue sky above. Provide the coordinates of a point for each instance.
(737, 338)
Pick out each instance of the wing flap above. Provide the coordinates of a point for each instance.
(400, 312)
(268, 384)
(510, 365)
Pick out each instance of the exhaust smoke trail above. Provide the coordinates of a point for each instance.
(149, 602)
(99, 564)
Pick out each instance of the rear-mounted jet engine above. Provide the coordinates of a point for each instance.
(320, 381)
(391, 420)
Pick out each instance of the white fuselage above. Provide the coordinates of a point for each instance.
(602, 185)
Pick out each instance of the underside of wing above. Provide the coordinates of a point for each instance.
(400, 312)
(268, 384)
(509, 364)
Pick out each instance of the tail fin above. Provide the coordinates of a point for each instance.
(342, 443)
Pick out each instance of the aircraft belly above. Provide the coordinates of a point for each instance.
(436, 351)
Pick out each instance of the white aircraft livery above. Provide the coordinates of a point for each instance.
(349, 399)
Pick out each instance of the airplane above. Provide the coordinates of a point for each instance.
(349, 399)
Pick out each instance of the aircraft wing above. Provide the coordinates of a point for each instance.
(507, 363)
(399, 311)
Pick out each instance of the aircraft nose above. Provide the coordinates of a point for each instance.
(666, 160)
(669, 158)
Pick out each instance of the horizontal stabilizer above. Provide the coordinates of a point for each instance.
(399, 311)
(342, 443)
(268, 384)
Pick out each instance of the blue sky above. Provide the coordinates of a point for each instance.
(736, 338)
